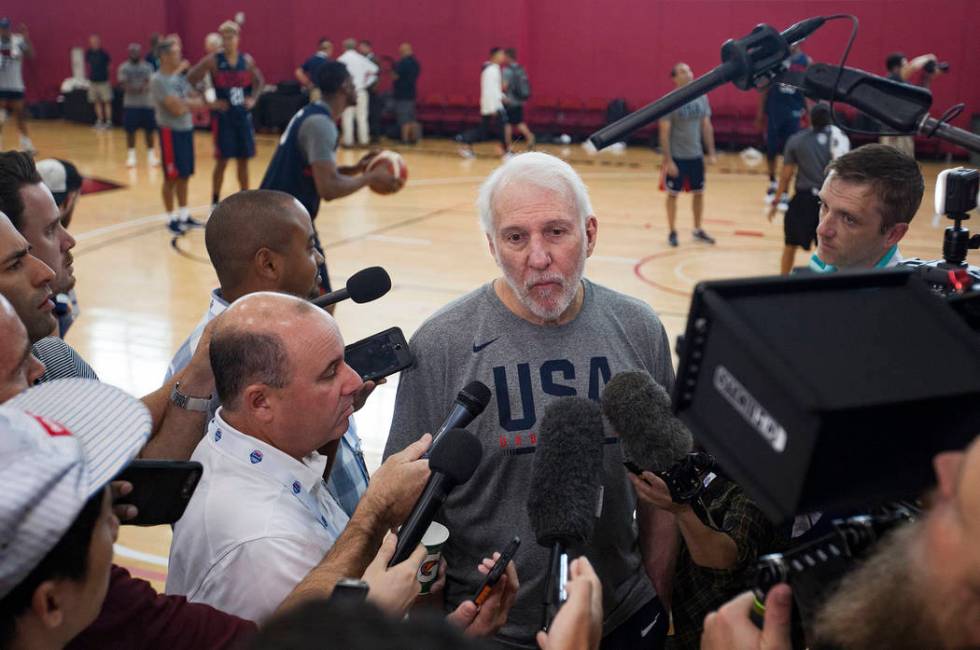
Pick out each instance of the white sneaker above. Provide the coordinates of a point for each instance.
(466, 153)
(151, 158)
(783, 204)
(771, 193)
(26, 144)
(131, 158)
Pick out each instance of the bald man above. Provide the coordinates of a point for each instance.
(262, 240)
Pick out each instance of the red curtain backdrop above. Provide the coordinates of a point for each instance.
(581, 49)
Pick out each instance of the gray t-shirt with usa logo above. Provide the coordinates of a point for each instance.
(526, 367)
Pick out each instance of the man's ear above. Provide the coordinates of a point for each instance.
(257, 402)
(896, 233)
(48, 603)
(267, 264)
(591, 230)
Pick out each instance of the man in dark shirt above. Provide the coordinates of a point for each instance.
(406, 74)
(99, 90)
(306, 73)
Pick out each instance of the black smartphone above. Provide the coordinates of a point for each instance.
(498, 570)
(161, 489)
(633, 467)
(380, 355)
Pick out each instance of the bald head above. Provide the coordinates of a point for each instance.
(254, 238)
(249, 346)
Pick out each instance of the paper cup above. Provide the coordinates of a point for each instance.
(435, 536)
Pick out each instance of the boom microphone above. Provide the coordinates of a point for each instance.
(469, 403)
(565, 488)
(743, 60)
(364, 286)
(639, 410)
(452, 463)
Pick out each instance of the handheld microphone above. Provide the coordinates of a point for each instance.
(639, 409)
(469, 403)
(364, 286)
(762, 51)
(565, 488)
(452, 464)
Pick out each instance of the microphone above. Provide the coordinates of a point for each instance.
(452, 463)
(743, 61)
(364, 286)
(565, 488)
(468, 404)
(650, 435)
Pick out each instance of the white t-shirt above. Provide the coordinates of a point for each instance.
(258, 522)
(491, 90)
(11, 58)
(362, 70)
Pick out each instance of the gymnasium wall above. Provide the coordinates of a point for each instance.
(572, 48)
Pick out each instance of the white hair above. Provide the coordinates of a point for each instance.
(540, 170)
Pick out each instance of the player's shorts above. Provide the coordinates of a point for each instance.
(11, 95)
(177, 151)
(404, 111)
(99, 91)
(801, 220)
(233, 134)
(515, 113)
(778, 132)
(139, 118)
(690, 177)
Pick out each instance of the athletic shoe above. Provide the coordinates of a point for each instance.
(783, 205)
(131, 159)
(175, 226)
(701, 235)
(771, 193)
(26, 145)
(672, 239)
(151, 158)
(191, 222)
(466, 153)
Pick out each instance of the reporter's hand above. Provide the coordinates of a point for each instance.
(397, 484)
(730, 628)
(393, 590)
(578, 625)
(671, 167)
(365, 391)
(124, 511)
(652, 490)
(220, 105)
(488, 618)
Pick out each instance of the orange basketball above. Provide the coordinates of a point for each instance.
(393, 163)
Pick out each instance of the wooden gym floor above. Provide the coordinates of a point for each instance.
(140, 295)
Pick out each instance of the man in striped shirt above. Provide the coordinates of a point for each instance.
(263, 240)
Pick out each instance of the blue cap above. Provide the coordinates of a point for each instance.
(4, 23)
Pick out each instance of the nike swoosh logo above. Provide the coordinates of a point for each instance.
(477, 348)
(645, 631)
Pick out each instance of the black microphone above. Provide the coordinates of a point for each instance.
(650, 435)
(743, 60)
(565, 488)
(452, 464)
(364, 286)
(468, 404)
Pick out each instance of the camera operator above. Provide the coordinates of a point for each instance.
(711, 564)
(920, 588)
(867, 201)
(901, 69)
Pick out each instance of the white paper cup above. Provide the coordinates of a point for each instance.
(435, 536)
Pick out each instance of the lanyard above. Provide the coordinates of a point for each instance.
(240, 449)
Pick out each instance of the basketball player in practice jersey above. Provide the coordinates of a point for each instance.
(237, 84)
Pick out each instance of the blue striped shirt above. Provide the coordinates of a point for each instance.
(349, 476)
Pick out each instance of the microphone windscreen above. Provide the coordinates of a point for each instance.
(567, 472)
(475, 395)
(457, 455)
(638, 408)
(368, 284)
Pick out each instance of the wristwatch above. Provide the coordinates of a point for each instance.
(188, 403)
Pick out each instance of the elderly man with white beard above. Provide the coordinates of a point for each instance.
(539, 332)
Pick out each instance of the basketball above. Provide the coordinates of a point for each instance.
(393, 163)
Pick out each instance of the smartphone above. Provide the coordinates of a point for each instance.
(498, 570)
(161, 489)
(632, 467)
(380, 355)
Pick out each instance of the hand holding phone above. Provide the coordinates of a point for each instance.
(498, 570)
